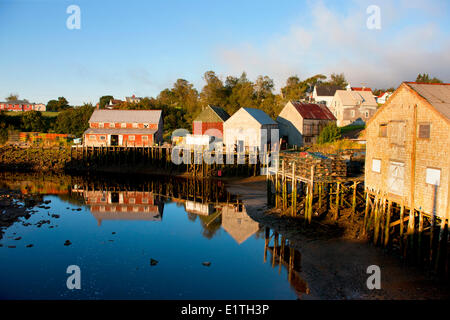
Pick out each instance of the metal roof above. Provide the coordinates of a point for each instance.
(313, 111)
(128, 116)
(260, 116)
(437, 94)
(353, 98)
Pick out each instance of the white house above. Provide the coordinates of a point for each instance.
(324, 93)
(351, 107)
(382, 98)
(248, 128)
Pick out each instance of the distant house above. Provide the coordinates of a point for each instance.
(382, 98)
(131, 128)
(249, 128)
(39, 107)
(21, 105)
(300, 123)
(407, 149)
(353, 107)
(324, 93)
(133, 99)
(210, 122)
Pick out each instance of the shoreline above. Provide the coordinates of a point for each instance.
(333, 261)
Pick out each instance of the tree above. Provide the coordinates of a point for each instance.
(213, 92)
(58, 105)
(74, 120)
(263, 87)
(12, 97)
(425, 78)
(338, 80)
(33, 121)
(329, 133)
(104, 100)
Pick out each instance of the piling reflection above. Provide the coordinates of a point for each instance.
(284, 255)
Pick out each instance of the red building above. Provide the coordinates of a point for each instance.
(210, 122)
(124, 128)
(20, 105)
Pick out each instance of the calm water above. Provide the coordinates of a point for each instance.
(116, 226)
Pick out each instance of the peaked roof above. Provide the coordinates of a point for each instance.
(437, 94)
(323, 90)
(129, 116)
(212, 113)
(260, 116)
(351, 98)
(313, 111)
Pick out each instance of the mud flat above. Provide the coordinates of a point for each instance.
(333, 260)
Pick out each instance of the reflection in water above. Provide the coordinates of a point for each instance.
(284, 255)
(138, 199)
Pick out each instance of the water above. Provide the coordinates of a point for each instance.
(117, 225)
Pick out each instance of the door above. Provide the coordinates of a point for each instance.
(120, 140)
(396, 177)
(113, 140)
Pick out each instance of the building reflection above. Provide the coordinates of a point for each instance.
(282, 255)
(122, 205)
(237, 223)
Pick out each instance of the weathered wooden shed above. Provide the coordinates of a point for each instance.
(408, 154)
(249, 128)
(210, 122)
(300, 123)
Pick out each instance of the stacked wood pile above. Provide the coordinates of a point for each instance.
(326, 168)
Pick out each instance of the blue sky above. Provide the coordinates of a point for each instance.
(141, 47)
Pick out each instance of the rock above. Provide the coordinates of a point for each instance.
(47, 201)
(206, 263)
(29, 245)
(153, 262)
(18, 238)
(56, 216)
(67, 243)
(113, 233)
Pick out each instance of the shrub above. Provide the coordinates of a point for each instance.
(329, 133)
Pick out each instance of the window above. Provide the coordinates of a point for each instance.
(135, 125)
(376, 165)
(352, 112)
(383, 130)
(101, 125)
(144, 138)
(123, 125)
(424, 131)
(146, 125)
(112, 125)
(433, 176)
(102, 137)
(132, 201)
(367, 114)
(131, 138)
(92, 137)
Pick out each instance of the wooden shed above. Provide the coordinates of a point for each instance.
(300, 123)
(210, 122)
(249, 128)
(408, 154)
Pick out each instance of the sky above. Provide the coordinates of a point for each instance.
(142, 47)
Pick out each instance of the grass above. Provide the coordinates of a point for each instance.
(47, 114)
(333, 147)
(351, 128)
